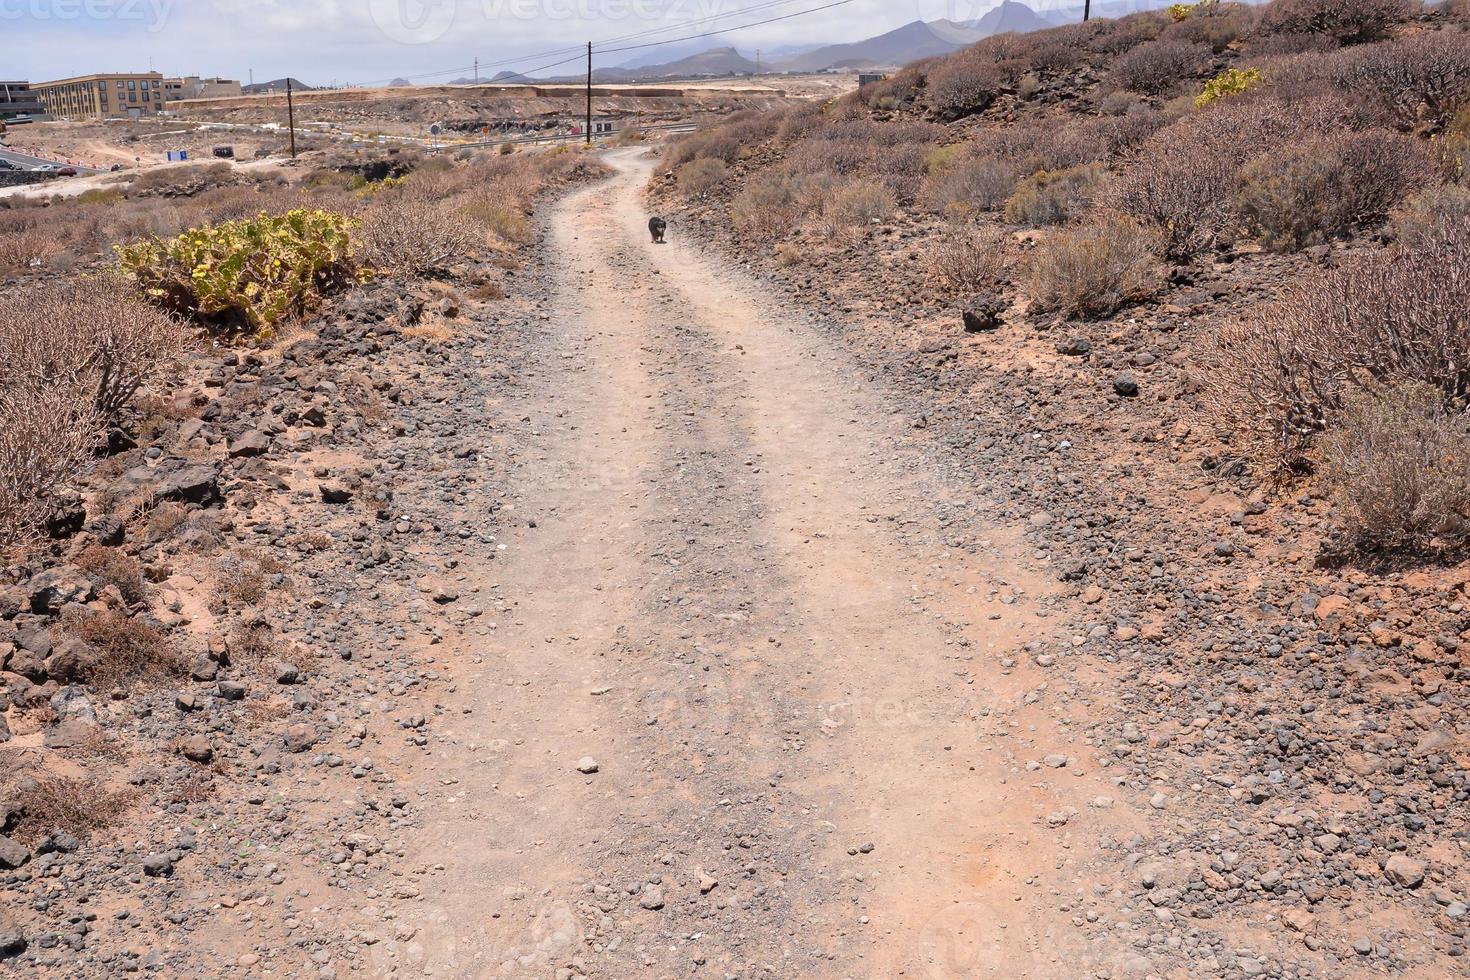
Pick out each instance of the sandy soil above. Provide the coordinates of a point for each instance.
(806, 712)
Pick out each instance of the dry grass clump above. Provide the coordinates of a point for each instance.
(1276, 379)
(52, 804)
(767, 209)
(966, 187)
(246, 577)
(109, 566)
(1398, 464)
(1055, 197)
(1432, 214)
(127, 649)
(847, 210)
(1324, 186)
(966, 259)
(699, 178)
(1093, 269)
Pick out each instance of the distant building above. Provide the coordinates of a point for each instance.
(195, 87)
(17, 99)
(870, 78)
(103, 96)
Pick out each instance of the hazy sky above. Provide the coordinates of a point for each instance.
(362, 41)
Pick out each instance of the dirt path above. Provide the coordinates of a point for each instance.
(822, 748)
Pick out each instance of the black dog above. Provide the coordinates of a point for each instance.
(657, 227)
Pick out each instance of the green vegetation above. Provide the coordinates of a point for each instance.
(247, 275)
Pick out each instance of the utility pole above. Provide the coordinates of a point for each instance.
(1086, 10)
(589, 93)
(477, 71)
(291, 116)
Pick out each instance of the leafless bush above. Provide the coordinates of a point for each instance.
(20, 249)
(1324, 186)
(1432, 215)
(1091, 270)
(1348, 21)
(699, 178)
(1276, 378)
(45, 438)
(1182, 180)
(110, 566)
(966, 259)
(963, 85)
(1156, 67)
(1214, 25)
(52, 804)
(127, 649)
(1398, 464)
(414, 235)
(1423, 80)
(92, 336)
(1054, 197)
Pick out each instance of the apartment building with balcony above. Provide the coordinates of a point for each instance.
(103, 96)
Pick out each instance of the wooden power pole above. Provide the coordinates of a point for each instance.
(589, 93)
(291, 116)
(1086, 10)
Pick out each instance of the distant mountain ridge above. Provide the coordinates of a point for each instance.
(894, 49)
(279, 85)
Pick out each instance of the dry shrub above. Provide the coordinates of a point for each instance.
(45, 439)
(128, 649)
(1091, 270)
(246, 577)
(968, 187)
(767, 209)
(58, 804)
(854, 207)
(1398, 464)
(502, 216)
(963, 85)
(1432, 215)
(1325, 186)
(700, 178)
(19, 250)
(109, 566)
(92, 336)
(1054, 197)
(414, 235)
(1182, 181)
(1156, 67)
(1347, 21)
(1276, 379)
(966, 259)
(486, 292)
(1422, 80)
(252, 643)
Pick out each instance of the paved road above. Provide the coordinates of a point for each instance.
(27, 162)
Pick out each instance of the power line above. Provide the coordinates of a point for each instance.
(753, 8)
(727, 30)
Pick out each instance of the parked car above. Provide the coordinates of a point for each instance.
(47, 168)
(67, 172)
(225, 152)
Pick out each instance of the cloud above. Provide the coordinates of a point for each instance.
(365, 40)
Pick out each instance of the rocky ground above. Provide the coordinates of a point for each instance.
(673, 618)
(1296, 730)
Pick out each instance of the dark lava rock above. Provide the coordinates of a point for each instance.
(334, 494)
(174, 479)
(1075, 347)
(984, 315)
(1126, 385)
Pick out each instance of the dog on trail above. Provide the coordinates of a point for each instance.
(657, 227)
